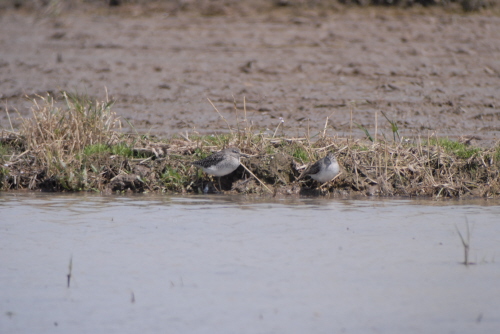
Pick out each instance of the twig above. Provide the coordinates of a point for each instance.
(143, 161)
(186, 136)
(223, 118)
(245, 109)
(350, 111)
(237, 118)
(465, 241)
(288, 140)
(281, 122)
(262, 183)
(8, 115)
(132, 297)
(20, 155)
(70, 269)
(324, 129)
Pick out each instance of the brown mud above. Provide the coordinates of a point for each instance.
(432, 71)
(309, 80)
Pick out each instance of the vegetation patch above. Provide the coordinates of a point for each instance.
(461, 150)
(75, 144)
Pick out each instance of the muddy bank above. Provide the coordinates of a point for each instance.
(77, 148)
(434, 73)
(366, 169)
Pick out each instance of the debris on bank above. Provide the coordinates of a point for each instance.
(78, 147)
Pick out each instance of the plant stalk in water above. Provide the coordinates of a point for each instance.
(465, 242)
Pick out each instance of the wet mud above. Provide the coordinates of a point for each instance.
(431, 72)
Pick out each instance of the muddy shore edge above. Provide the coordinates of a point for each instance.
(77, 147)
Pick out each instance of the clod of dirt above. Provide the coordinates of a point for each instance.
(248, 186)
(273, 168)
(127, 182)
(142, 171)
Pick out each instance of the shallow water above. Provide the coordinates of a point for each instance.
(217, 264)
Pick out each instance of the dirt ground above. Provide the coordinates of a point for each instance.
(432, 72)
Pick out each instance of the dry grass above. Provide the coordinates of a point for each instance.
(77, 147)
(419, 169)
(57, 135)
(465, 242)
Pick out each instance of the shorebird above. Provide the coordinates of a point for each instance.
(324, 169)
(220, 163)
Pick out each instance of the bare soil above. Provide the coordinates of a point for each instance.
(433, 72)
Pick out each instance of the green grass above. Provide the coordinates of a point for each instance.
(456, 148)
(119, 149)
(357, 147)
(365, 130)
(394, 126)
(270, 149)
(173, 178)
(300, 154)
(4, 150)
(200, 154)
(212, 140)
(171, 175)
(96, 149)
(122, 149)
(3, 172)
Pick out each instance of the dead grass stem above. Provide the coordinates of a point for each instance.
(465, 242)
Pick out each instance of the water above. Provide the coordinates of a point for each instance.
(216, 264)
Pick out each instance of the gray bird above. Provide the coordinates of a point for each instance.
(220, 163)
(324, 169)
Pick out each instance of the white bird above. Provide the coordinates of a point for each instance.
(220, 163)
(323, 170)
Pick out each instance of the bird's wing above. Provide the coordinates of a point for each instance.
(314, 169)
(213, 159)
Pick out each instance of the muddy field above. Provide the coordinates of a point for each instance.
(431, 71)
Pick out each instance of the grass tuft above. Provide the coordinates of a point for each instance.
(4, 150)
(394, 126)
(365, 130)
(174, 179)
(96, 149)
(461, 150)
(300, 153)
(465, 242)
(60, 133)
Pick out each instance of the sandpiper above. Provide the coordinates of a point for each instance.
(324, 169)
(220, 163)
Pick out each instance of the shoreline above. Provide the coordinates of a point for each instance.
(78, 148)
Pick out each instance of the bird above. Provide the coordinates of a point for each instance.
(324, 169)
(220, 163)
